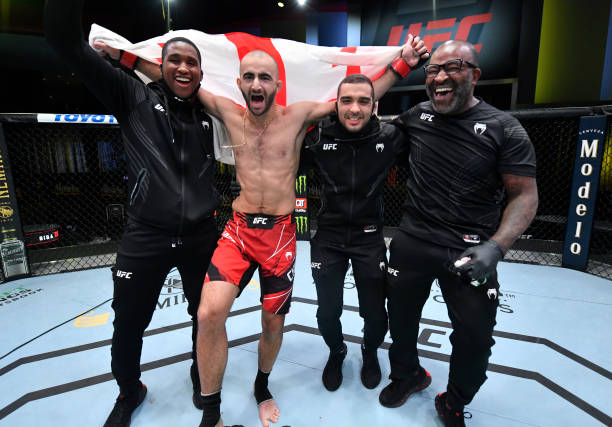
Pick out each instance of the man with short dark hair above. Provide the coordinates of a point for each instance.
(172, 197)
(353, 153)
(464, 154)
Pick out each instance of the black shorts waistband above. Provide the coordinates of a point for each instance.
(262, 220)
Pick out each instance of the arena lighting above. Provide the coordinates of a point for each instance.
(301, 2)
(280, 4)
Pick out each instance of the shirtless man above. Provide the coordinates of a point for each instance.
(266, 139)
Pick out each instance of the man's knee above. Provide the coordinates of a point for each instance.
(211, 314)
(272, 324)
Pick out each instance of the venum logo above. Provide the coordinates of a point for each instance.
(381, 265)
(380, 147)
(479, 128)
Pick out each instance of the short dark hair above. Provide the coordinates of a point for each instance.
(184, 40)
(356, 79)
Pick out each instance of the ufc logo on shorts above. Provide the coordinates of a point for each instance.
(124, 274)
(260, 220)
(392, 271)
(327, 147)
(315, 265)
(427, 117)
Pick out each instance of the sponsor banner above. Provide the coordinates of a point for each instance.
(493, 26)
(301, 208)
(587, 169)
(12, 248)
(83, 119)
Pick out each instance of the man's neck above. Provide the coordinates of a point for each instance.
(262, 119)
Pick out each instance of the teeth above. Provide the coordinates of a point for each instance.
(182, 80)
(443, 90)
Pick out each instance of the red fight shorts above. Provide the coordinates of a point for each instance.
(257, 240)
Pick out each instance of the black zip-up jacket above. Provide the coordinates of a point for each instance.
(353, 168)
(168, 141)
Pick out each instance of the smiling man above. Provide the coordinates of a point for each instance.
(353, 152)
(464, 154)
(172, 197)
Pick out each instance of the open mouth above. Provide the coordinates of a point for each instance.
(353, 121)
(443, 93)
(182, 81)
(257, 100)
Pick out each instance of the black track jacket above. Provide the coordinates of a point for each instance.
(353, 168)
(168, 141)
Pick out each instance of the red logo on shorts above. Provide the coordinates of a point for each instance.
(301, 205)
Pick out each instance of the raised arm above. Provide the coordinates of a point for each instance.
(414, 54)
(63, 33)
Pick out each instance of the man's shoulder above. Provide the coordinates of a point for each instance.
(416, 110)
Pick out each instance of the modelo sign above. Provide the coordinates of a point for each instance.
(587, 168)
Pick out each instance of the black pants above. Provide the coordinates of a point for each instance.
(330, 252)
(137, 285)
(413, 265)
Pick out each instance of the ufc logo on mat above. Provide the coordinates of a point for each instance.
(125, 274)
(260, 220)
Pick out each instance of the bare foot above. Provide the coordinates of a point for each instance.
(268, 411)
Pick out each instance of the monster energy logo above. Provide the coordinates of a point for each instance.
(300, 184)
(301, 223)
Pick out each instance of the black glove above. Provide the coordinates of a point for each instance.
(483, 262)
(235, 189)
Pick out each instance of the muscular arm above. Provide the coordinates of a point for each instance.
(522, 194)
(411, 54)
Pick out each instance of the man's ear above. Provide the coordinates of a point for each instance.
(238, 82)
(279, 84)
(375, 109)
(477, 72)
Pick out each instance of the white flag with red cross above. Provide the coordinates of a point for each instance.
(308, 72)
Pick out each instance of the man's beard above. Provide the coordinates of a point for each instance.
(267, 99)
(461, 96)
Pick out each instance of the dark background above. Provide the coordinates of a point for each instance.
(33, 80)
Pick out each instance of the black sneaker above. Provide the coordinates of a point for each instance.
(124, 406)
(197, 398)
(370, 370)
(450, 417)
(332, 374)
(396, 393)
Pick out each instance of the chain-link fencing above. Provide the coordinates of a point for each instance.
(71, 187)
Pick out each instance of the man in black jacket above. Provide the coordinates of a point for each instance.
(353, 153)
(172, 197)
